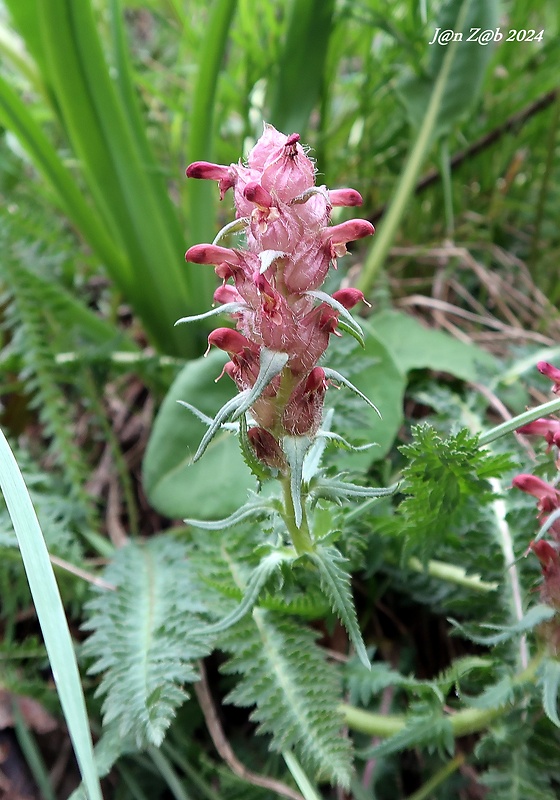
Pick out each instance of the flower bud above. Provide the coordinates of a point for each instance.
(266, 448)
(345, 197)
(214, 172)
(229, 340)
(349, 297)
(212, 254)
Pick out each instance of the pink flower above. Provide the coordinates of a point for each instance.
(551, 372)
(548, 498)
(549, 428)
(290, 247)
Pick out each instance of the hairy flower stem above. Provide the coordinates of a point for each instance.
(300, 536)
(470, 720)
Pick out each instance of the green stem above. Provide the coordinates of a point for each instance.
(521, 419)
(425, 791)
(469, 720)
(452, 574)
(301, 537)
(447, 188)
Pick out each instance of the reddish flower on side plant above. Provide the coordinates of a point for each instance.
(551, 372)
(275, 303)
(548, 498)
(549, 428)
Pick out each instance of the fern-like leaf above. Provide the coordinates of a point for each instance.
(335, 582)
(141, 638)
(295, 691)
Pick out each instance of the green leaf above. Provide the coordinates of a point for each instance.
(256, 583)
(295, 690)
(143, 640)
(413, 346)
(550, 681)
(295, 90)
(336, 585)
(216, 485)
(377, 375)
(254, 508)
(295, 449)
(533, 617)
(469, 64)
(50, 612)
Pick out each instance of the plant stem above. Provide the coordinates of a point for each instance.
(452, 574)
(521, 419)
(301, 537)
(425, 791)
(469, 720)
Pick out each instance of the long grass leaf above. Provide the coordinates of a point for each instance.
(294, 93)
(50, 612)
(16, 118)
(129, 193)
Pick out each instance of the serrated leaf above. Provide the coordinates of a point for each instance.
(550, 682)
(174, 485)
(295, 690)
(423, 731)
(255, 585)
(336, 585)
(142, 640)
(250, 509)
(535, 615)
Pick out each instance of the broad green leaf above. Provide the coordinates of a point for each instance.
(50, 612)
(216, 485)
(413, 346)
(377, 375)
(467, 70)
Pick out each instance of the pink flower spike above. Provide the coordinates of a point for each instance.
(551, 372)
(255, 193)
(349, 297)
(345, 197)
(212, 254)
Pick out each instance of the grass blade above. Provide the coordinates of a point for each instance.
(50, 612)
